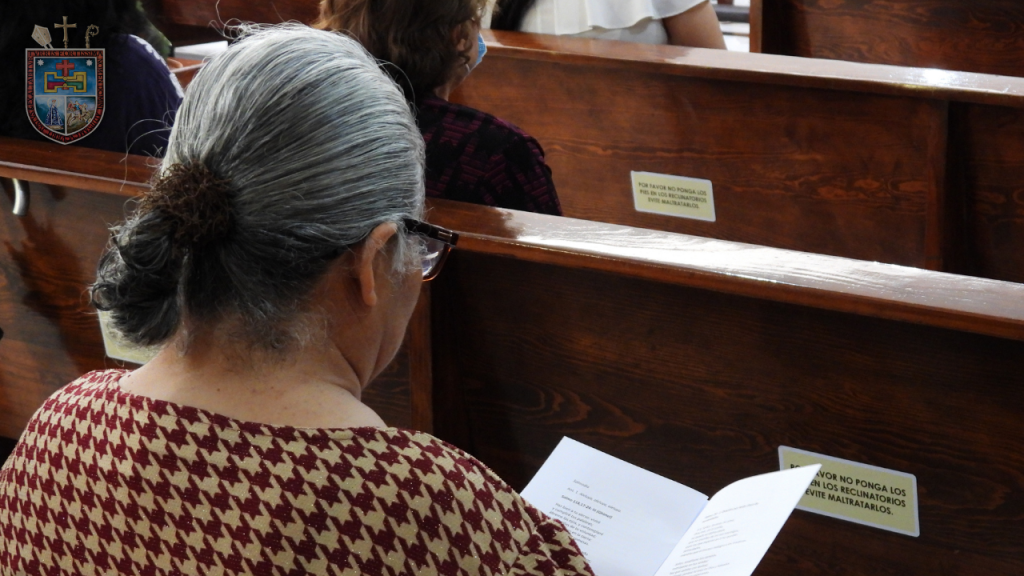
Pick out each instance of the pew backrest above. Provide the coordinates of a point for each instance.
(977, 36)
(203, 14)
(901, 165)
(698, 358)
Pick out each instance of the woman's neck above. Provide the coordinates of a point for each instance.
(443, 92)
(316, 388)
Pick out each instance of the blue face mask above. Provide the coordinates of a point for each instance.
(482, 49)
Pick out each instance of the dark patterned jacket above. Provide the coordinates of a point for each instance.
(475, 157)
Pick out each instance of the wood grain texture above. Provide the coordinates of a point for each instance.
(832, 157)
(991, 165)
(789, 166)
(184, 69)
(201, 13)
(872, 289)
(703, 387)
(939, 237)
(47, 261)
(547, 327)
(756, 25)
(979, 36)
(867, 280)
(56, 165)
(758, 68)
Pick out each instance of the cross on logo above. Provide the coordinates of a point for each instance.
(65, 66)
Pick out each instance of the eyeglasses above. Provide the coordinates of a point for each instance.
(439, 242)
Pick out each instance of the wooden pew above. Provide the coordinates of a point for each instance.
(900, 165)
(978, 36)
(184, 69)
(697, 358)
(693, 357)
(199, 20)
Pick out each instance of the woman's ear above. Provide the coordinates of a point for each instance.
(369, 257)
(464, 38)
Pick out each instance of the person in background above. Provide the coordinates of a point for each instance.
(149, 32)
(142, 95)
(679, 22)
(432, 47)
(276, 261)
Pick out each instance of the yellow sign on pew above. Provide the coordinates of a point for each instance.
(673, 196)
(120, 349)
(857, 492)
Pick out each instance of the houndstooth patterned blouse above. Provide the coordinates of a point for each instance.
(107, 482)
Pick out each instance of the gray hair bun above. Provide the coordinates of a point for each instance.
(197, 201)
(289, 148)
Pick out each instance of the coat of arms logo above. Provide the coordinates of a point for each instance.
(64, 94)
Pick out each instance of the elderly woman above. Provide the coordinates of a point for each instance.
(432, 46)
(277, 260)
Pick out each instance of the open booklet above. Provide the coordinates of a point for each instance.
(631, 522)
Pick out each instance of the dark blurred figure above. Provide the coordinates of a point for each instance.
(142, 96)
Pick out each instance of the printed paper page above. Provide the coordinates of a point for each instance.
(739, 524)
(625, 519)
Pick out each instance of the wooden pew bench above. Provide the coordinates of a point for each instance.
(200, 20)
(698, 358)
(695, 358)
(900, 165)
(978, 36)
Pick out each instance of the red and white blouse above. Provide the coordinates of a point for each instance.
(107, 482)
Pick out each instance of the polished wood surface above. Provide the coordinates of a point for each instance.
(979, 36)
(48, 258)
(184, 69)
(692, 62)
(785, 170)
(204, 14)
(990, 152)
(831, 157)
(871, 289)
(690, 357)
(756, 68)
(46, 163)
(839, 158)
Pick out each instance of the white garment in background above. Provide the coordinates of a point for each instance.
(626, 20)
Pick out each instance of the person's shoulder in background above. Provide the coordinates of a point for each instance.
(473, 156)
(143, 97)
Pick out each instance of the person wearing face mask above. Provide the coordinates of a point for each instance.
(431, 47)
